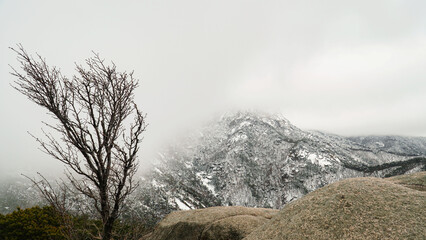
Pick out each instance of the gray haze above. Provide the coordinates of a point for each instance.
(345, 67)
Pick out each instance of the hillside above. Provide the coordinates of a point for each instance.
(359, 208)
(254, 160)
(356, 208)
(261, 160)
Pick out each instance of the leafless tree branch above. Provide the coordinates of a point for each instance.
(90, 109)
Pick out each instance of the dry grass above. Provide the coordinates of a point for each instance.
(415, 181)
(359, 208)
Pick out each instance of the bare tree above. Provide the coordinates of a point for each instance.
(91, 111)
(58, 199)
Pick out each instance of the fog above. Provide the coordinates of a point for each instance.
(344, 67)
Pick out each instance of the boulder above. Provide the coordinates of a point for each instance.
(215, 223)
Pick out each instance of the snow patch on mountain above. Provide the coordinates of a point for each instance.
(261, 160)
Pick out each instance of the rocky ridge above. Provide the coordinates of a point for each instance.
(260, 160)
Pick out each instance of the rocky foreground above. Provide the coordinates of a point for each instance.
(357, 208)
(212, 223)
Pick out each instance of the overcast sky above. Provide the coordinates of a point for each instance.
(344, 67)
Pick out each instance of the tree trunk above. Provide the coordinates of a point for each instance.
(107, 229)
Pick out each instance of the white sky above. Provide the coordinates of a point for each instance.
(345, 67)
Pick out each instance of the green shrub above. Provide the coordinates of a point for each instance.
(33, 223)
(38, 223)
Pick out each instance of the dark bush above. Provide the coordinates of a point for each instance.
(33, 224)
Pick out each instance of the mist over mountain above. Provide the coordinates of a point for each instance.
(256, 160)
(260, 160)
(18, 192)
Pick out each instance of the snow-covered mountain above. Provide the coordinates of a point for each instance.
(255, 160)
(18, 192)
(260, 160)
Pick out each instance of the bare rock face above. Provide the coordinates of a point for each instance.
(227, 223)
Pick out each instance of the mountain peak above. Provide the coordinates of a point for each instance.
(256, 159)
(253, 115)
